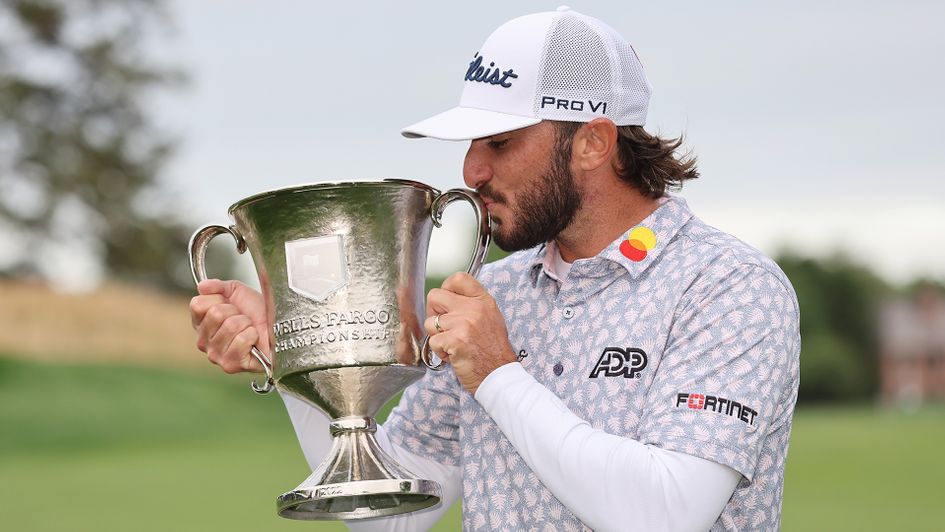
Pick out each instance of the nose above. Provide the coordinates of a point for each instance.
(476, 168)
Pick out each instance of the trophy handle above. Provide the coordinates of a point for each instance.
(483, 235)
(198, 267)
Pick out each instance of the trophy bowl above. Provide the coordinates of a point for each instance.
(341, 266)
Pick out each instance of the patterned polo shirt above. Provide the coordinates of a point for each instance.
(676, 335)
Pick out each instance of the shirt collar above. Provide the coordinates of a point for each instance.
(671, 214)
(542, 257)
(546, 258)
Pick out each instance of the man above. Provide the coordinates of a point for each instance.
(630, 368)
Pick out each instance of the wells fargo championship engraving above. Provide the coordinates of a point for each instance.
(334, 327)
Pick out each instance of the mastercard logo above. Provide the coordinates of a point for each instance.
(639, 241)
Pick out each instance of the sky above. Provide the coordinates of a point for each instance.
(818, 126)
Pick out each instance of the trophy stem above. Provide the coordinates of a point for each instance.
(357, 480)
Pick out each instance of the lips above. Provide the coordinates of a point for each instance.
(489, 196)
(488, 201)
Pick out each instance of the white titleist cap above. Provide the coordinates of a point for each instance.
(559, 65)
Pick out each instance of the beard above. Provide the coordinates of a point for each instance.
(543, 210)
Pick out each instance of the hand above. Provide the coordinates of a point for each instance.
(474, 338)
(230, 318)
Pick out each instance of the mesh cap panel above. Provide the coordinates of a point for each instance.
(588, 70)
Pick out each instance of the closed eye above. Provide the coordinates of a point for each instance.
(497, 144)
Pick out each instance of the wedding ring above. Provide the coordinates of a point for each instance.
(436, 323)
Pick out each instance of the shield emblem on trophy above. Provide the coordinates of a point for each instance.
(316, 267)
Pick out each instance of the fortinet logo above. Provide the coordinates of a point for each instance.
(698, 401)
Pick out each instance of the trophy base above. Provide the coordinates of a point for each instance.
(359, 500)
(357, 480)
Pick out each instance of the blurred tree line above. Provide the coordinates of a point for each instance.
(839, 303)
(80, 159)
(839, 343)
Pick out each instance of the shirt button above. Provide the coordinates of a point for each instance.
(558, 369)
(568, 313)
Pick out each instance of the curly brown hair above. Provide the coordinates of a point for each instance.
(647, 162)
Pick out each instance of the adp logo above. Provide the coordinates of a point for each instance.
(617, 362)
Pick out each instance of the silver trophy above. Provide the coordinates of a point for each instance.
(341, 266)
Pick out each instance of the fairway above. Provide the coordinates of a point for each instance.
(863, 469)
(92, 447)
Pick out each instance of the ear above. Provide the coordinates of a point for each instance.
(594, 144)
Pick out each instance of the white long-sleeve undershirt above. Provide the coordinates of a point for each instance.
(609, 482)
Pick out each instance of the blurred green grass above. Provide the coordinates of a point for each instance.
(862, 468)
(104, 447)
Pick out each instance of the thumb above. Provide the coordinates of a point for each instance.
(211, 286)
(465, 285)
(227, 289)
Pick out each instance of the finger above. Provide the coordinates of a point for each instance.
(199, 305)
(440, 301)
(250, 363)
(441, 354)
(220, 342)
(465, 285)
(443, 345)
(429, 324)
(212, 320)
(262, 332)
(230, 328)
(237, 355)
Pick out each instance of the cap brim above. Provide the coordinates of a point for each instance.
(467, 123)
